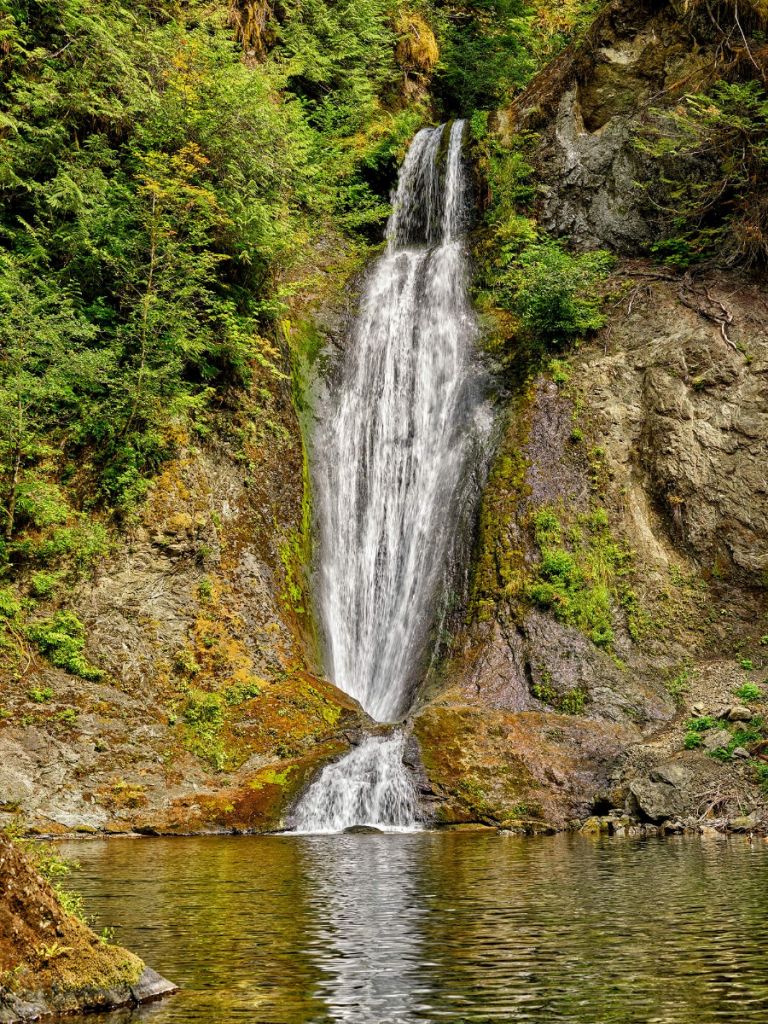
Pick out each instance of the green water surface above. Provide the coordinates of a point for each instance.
(394, 929)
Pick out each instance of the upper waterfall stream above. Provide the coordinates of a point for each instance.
(392, 464)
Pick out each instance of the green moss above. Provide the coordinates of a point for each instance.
(570, 703)
(499, 570)
(272, 777)
(203, 718)
(582, 573)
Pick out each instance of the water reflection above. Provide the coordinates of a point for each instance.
(400, 929)
(365, 933)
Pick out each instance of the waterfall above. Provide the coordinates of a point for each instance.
(369, 786)
(391, 465)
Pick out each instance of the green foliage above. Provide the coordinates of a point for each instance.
(40, 695)
(156, 188)
(556, 293)
(749, 692)
(62, 640)
(582, 572)
(676, 683)
(711, 186)
(540, 296)
(43, 584)
(743, 736)
(485, 54)
(694, 729)
(490, 49)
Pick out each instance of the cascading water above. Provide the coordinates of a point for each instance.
(391, 464)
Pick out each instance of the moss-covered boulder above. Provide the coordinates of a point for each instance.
(50, 961)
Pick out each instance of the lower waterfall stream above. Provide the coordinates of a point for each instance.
(391, 477)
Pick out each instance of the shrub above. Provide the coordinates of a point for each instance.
(711, 155)
(749, 692)
(62, 640)
(557, 294)
(43, 584)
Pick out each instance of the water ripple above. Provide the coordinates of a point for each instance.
(470, 929)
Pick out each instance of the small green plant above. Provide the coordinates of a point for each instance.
(560, 371)
(205, 589)
(749, 692)
(747, 664)
(238, 693)
(186, 663)
(62, 640)
(43, 584)
(40, 695)
(694, 729)
(677, 683)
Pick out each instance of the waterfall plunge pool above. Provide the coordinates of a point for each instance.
(468, 928)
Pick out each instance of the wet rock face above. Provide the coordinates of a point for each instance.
(501, 768)
(673, 440)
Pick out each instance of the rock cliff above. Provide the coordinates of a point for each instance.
(630, 478)
(613, 649)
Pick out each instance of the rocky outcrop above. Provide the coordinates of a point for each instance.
(588, 106)
(51, 962)
(619, 589)
(660, 425)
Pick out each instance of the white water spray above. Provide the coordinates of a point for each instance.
(390, 466)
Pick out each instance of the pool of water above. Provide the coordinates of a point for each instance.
(470, 928)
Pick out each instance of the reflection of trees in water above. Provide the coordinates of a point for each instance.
(400, 929)
(620, 932)
(366, 926)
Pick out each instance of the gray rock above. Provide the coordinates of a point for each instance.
(741, 753)
(715, 739)
(739, 713)
(654, 801)
(672, 774)
(745, 823)
(151, 986)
